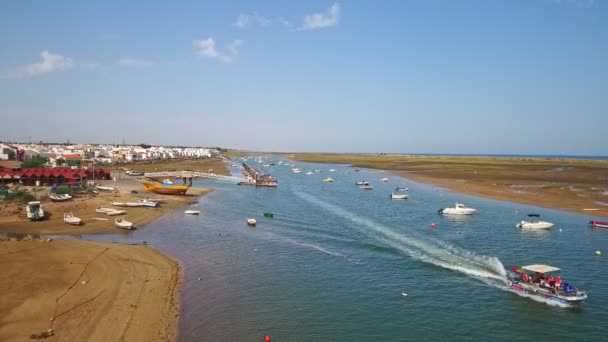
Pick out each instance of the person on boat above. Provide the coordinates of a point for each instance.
(551, 281)
(558, 282)
(524, 276)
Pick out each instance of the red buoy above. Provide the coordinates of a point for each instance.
(267, 338)
(432, 225)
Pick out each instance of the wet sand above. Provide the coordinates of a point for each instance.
(574, 185)
(87, 291)
(13, 218)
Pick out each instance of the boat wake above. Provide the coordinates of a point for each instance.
(486, 268)
(316, 248)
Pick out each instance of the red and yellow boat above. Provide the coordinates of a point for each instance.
(166, 189)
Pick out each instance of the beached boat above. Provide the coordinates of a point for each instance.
(34, 211)
(251, 221)
(109, 211)
(69, 218)
(105, 188)
(192, 212)
(122, 223)
(534, 223)
(127, 204)
(166, 188)
(546, 288)
(367, 187)
(459, 209)
(398, 196)
(599, 224)
(384, 180)
(148, 203)
(328, 180)
(401, 189)
(60, 198)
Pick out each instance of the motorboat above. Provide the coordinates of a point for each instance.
(362, 183)
(398, 196)
(69, 218)
(599, 224)
(328, 180)
(332, 170)
(459, 209)
(122, 223)
(34, 211)
(251, 221)
(310, 173)
(367, 187)
(60, 198)
(534, 222)
(546, 288)
(401, 189)
(192, 212)
(109, 211)
(384, 180)
(296, 170)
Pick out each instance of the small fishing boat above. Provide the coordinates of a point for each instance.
(166, 188)
(398, 196)
(296, 170)
(548, 289)
(367, 187)
(269, 215)
(147, 203)
(328, 180)
(362, 183)
(332, 170)
(109, 211)
(34, 211)
(122, 223)
(60, 198)
(105, 188)
(69, 218)
(599, 224)
(384, 180)
(310, 173)
(534, 223)
(459, 209)
(251, 221)
(401, 189)
(192, 212)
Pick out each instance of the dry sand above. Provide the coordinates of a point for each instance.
(13, 218)
(95, 292)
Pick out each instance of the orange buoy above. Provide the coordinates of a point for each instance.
(267, 338)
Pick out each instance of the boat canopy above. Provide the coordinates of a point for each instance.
(533, 215)
(540, 268)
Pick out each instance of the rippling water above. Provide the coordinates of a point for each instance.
(332, 264)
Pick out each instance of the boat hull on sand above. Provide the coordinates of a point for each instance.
(166, 189)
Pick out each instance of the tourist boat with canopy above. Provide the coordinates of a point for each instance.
(549, 288)
(459, 209)
(599, 224)
(534, 223)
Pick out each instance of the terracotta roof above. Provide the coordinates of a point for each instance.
(72, 156)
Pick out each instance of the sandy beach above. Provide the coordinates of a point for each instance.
(574, 185)
(14, 220)
(87, 291)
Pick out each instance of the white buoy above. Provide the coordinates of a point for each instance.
(598, 253)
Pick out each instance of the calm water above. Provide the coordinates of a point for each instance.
(333, 262)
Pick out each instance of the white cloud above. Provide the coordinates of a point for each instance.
(206, 48)
(330, 17)
(245, 20)
(581, 3)
(50, 63)
(134, 63)
(286, 23)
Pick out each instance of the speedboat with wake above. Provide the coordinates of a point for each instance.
(534, 223)
(547, 288)
(459, 209)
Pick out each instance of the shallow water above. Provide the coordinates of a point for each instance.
(332, 264)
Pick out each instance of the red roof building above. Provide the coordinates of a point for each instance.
(50, 176)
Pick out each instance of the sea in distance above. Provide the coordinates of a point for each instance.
(333, 263)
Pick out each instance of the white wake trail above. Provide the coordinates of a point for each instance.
(438, 253)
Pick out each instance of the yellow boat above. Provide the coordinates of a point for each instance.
(166, 189)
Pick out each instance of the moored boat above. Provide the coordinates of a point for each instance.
(534, 222)
(367, 187)
(328, 180)
(401, 189)
(122, 223)
(69, 218)
(459, 209)
(599, 224)
(192, 212)
(384, 180)
(310, 173)
(398, 196)
(362, 183)
(546, 288)
(251, 221)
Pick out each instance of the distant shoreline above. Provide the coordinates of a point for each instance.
(569, 184)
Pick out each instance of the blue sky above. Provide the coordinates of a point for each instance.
(520, 77)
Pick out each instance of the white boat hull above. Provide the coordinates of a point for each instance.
(192, 212)
(399, 197)
(535, 225)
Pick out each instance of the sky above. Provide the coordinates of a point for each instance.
(393, 76)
